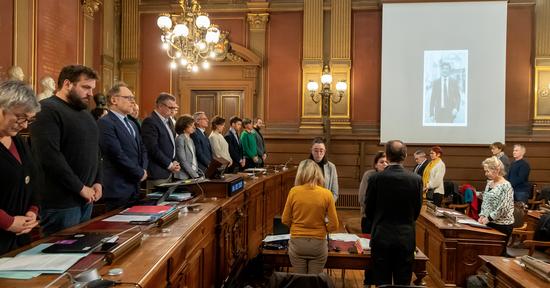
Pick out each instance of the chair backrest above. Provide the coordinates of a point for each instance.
(450, 188)
(294, 280)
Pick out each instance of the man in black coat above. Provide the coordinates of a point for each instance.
(124, 154)
(394, 199)
(234, 143)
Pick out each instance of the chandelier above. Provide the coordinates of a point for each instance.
(190, 39)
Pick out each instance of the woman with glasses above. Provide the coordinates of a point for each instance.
(433, 176)
(18, 203)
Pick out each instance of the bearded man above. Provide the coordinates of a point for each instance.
(65, 143)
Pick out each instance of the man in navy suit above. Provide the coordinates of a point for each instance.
(159, 139)
(123, 151)
(202, 144)
(235, 147)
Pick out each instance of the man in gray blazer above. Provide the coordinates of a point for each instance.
(318, 153)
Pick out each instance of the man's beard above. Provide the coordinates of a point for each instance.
(75, 101)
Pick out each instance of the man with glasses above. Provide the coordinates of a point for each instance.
(65, 140)
(158, 135)
(124, 154)
(202, 144)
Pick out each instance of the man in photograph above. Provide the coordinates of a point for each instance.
(445, 98)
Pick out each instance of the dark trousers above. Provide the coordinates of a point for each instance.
(504, 229)
(391, 261)
(9, 241)
(54, 219)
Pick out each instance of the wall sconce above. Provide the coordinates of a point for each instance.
(326, 96)
(326, 80)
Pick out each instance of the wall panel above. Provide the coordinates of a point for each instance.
(58, 36)
(284, 50)
(155, 70)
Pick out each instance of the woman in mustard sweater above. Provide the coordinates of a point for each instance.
(311, 214)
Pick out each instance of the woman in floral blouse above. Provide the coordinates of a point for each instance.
(497, 210)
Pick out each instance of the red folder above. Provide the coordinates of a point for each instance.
(150, 210)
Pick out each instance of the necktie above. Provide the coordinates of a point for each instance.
(129, 126)
(171, 126)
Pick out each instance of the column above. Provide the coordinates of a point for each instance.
(24, 44)
(257, 22)
(340, 60)
(312, 63)
(541, 121)
(129, 46)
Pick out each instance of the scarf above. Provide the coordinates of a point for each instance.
(429, 167)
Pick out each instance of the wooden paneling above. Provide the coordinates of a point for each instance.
(519, 49)
(6, 30)
(58, 36)
(230, 104)
(155, 71)
(366, 66)
(284, 51)
(235, 24)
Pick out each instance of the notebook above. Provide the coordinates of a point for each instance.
(78, 243)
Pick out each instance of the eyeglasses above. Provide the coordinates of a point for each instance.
(129, 98)
(21, 119)
(171, 107)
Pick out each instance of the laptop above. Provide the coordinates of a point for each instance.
(78, 243)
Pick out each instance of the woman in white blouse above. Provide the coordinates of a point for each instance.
(220, 148)
(185, 149)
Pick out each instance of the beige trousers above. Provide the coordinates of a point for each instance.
(307, 255)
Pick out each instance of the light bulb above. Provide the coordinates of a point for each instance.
(195, 68)
(202, 21)
(178, 54)
(164, 22)
(212, 54)
(205, 64)
(201, 45)
(212, 35)
(165, 46)
(181, 30)
(173, 65)
(341, 86)
(183, 61)
(312, 86)
(326, 79)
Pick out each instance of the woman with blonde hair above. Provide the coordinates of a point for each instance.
(311, 214)
(497, 209)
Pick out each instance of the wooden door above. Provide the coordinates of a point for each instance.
(215, 102)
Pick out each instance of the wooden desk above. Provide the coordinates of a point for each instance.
(453, 249)
(202, 249)
(345, 260)
(533, 217)
(506, 272)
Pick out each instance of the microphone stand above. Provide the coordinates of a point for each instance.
(284, 166)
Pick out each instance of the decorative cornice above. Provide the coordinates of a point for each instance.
(257, 21)
(89, 7)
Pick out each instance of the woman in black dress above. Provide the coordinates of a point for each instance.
(18, 204)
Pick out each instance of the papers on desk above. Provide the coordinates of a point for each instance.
(128, 218)
(33, 262)
(274, 238)
(471, 222)
(344, 237)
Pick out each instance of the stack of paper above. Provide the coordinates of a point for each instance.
(33, 262)
(141, 213)
(345, 237)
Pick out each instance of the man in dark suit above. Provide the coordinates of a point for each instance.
(235, 147)
(445, 99)
(124, 154)
(421, 162)
(202, 144)
(394, 199)
(158, 137)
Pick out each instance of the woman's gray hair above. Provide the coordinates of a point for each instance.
(15, 93)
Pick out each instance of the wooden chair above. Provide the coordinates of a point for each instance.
(520, 225)
(532, 244)
(463, 208)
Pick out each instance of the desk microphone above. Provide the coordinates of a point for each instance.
(284, 166)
